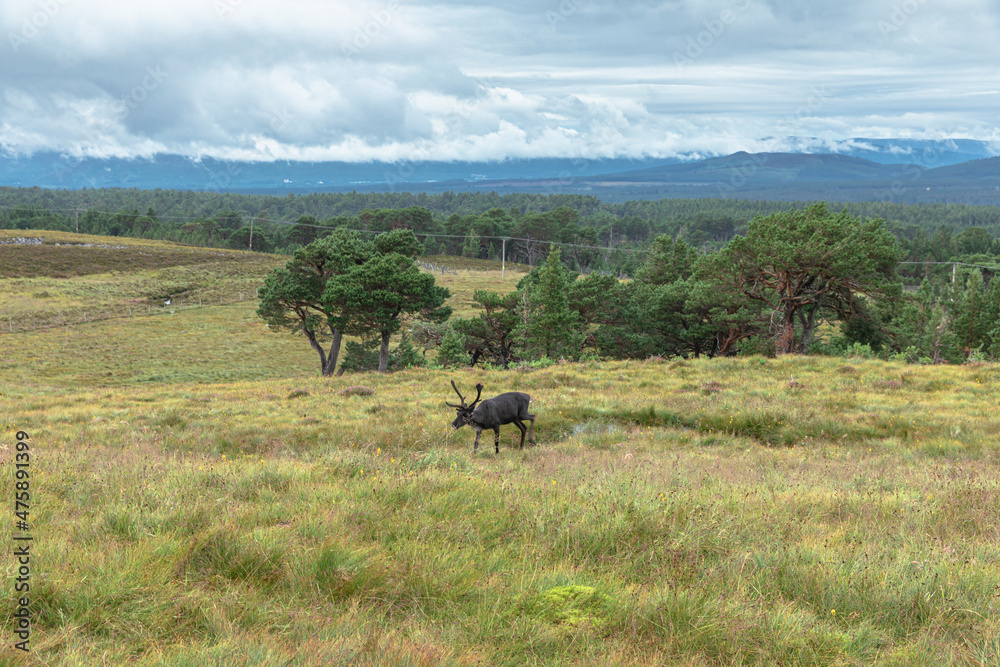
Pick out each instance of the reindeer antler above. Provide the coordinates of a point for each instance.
(452, 405)
(479, 391)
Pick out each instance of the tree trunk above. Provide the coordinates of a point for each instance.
(786, 342)
(311, 335)
(327, 362)
(807, 318)
(383, 353)
(331, 359)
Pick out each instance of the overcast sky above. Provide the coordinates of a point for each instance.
(405, 80)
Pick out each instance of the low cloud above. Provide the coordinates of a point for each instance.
(448, 81)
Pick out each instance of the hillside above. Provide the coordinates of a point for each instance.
(987, 170)
(108, 294)
(758, 169)
(200, 495)
(857, 170)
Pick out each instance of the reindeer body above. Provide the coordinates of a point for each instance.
(493, 413)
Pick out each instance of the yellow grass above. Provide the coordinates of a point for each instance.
(199, 495)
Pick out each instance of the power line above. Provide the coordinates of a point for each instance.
(295, 223)
(978, 266)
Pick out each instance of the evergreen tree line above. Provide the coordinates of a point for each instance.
(806, 281)
(611, 239)
(802, 281)
(943, 232)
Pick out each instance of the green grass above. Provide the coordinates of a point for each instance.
(200, 496)
(72, 278)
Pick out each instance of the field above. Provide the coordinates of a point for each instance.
(200, 496)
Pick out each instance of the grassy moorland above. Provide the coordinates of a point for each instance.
(75, 278)
(230, 507)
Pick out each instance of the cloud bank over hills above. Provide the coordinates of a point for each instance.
(443, 81)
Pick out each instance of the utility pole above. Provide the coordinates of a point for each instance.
(251, 232)
(503, 259)
(76, 216)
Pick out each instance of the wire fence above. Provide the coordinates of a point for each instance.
(232, 294)
(437, 268)
(11, 324)
(210, 297)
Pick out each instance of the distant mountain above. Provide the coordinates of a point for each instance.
(974, 170)
(792, 177)
(51, 170)
(742, 169)
(926, 153)
(857, 170)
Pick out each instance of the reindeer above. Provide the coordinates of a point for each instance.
(494, 413)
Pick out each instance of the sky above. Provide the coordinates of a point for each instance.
(422, 80)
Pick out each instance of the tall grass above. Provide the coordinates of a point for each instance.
(283, 522)
(200, 496)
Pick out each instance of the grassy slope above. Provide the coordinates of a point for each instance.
(704, 512)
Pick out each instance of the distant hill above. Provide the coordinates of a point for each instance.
(974, 170)
(51, 170)
(857, 170)
(927, 153)
(761, 168)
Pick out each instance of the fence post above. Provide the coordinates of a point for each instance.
(84, 316)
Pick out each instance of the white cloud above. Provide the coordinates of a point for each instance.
(439, 80)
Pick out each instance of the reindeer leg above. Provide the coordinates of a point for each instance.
(521, 427)
(475, 448)
(531, 433)
(496, 439)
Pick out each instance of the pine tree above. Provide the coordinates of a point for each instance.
(452, 352)
(550, 328)
(471, 246)
(972, 326)
(993, 318)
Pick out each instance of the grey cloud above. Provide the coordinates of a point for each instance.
(449, 80)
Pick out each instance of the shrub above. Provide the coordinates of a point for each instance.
(363, 356)
(758, 345)
(452, 352)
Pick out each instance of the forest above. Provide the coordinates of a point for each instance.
(934, 299)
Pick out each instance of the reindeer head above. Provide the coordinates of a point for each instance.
(464, 411)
